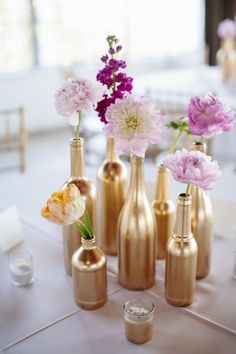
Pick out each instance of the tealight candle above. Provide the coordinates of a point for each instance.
(138, 315)
(21, 267)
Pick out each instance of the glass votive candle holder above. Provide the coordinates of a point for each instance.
(138, 316)
(21, 267)
(234, 264)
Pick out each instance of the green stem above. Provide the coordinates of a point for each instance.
(188, 188)
(80, 222)
(202, 140)
(78, 126)
(175, 142)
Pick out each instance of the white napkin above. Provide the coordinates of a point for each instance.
(11, 233)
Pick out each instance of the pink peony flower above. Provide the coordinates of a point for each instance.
(226, 29)
(76, 95)
(134, 122)
(209, 116)
(193, 167)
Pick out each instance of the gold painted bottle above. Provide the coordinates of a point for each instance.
(71, 235)
(164, 210)
(89, 275)
(181, 258)
(111, 195)
(202, 223)
(137, 234)
(226, 59)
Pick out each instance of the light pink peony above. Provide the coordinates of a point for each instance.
(76, 95)
(134, 122)
(226, 29)
(193, 167)
(209, 116)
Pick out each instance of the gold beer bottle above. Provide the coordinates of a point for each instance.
(111, 195)
(137, 234)
(181, 258)
(89, 276)
(226, 59)
(164, 210)
(202, 223)
(71, 235)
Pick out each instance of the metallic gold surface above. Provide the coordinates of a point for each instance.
(137, 234)
(226, 59)
(111, 196)
(202, 224)
(71, 235)
(89, 276)
(164, 210)
(181, 259)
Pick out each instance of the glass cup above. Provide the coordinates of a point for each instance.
(138, 315)
(234, 264)
(21, 267)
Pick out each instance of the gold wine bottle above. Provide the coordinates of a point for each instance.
(111, 196)
(137, 234)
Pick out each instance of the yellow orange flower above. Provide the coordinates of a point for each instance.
(64, 207)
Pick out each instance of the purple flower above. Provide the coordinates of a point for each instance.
(226, 29)
(76, 95)
(193, 167)
(134, 122)
(113, 78)
(209, 116)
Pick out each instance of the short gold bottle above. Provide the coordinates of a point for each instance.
(181, 258)
(137, 234)
(202, 223)
(89, 275)
(71, 235)
(226, 59)
(111, 196)
(164, 211)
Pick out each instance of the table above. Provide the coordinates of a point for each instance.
(43, 318)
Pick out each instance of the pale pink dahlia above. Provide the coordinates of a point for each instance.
(134, 122)
(76, 95)
(193, 167)
(226, 29)
(209, 116)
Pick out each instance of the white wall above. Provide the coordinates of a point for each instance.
(35, 91)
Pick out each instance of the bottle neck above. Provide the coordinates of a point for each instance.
(88, 244)
(182, 228)
(111, 154)
(137, 174)
(227, 43)
(197, 146)
(77, 157)
(162, 188)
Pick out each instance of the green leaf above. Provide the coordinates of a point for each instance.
(82, 229)
(88, 222)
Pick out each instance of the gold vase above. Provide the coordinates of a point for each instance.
(164, 210)
(111, 195)
(71, 235)
(226, 59)
(202, 223)
(89, 275)
(137, 234)
(181, 258)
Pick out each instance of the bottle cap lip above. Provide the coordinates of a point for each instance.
(76, 143)
(184, 199)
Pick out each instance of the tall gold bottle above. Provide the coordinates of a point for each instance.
(164, 210)
(137, 234)
(89, 276)
(111, 196)
(71, 235)
(226, 59)
(181, 258)
(202, 223)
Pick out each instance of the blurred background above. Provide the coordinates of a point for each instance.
(170, 48)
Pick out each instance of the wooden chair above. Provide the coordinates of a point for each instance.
(8, 144)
